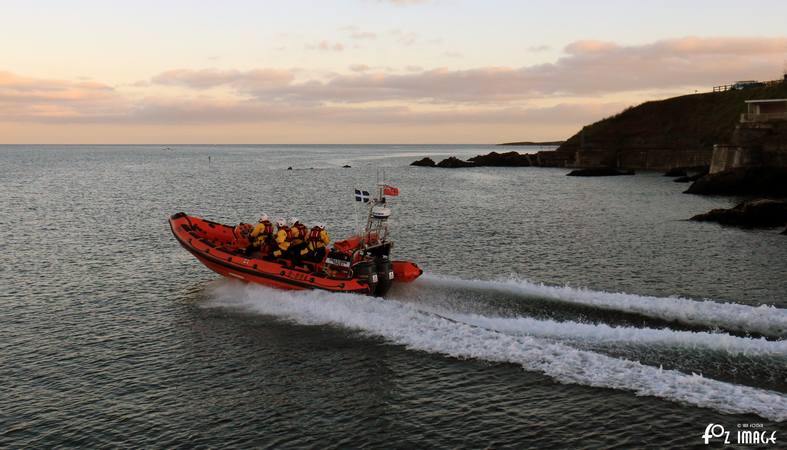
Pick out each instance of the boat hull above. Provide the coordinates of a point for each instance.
(213, 244)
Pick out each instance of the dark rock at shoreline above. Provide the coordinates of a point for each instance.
(598, 172)
(676, 172)
(454, 163)
(760, 213)
(425, 162)
(508, 159)
(743, 181)
(689, 179)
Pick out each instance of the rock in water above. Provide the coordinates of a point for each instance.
(760, 213)
(425, 162)
(346, 166)
(743, 181)
(508, 159)
(688, 179)
(598, 172)
(676, 172)
(454, 163)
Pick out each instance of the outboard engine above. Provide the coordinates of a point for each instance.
(385, 275)
(367, 271)
(337, 265)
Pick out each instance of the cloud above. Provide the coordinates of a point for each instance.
(327, 46)
(26, 97)
(209, 78)
(413, 96)
(588, 68)
(53, 101)
(356, 33)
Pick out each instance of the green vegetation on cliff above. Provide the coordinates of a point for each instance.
(687, 123)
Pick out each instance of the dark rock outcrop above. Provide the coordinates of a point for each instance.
(508, 159)
(676, 172)
(689, 178)
(598, 172)
(425, 162)
(454, 163)
(698, 172)
(760, 213)
(346, 166)
(743, 181)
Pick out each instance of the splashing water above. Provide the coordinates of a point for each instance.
(406, 324)
(764, 319)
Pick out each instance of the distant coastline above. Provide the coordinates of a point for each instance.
(524, 143)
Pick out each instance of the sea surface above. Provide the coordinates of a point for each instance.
(554, 311)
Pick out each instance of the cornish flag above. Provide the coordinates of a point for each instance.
(361, 196)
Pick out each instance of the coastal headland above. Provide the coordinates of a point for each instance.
(722, 142)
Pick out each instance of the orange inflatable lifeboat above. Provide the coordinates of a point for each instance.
(359, 264)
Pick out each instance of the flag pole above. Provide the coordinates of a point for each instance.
(355, 213)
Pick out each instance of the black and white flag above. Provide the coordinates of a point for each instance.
(361, 196)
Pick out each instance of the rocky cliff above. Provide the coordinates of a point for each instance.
(665, 134)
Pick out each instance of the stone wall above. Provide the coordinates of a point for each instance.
(643, 158)
(761, 144)
(727, 157)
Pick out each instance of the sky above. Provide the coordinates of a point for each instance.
(362, 71)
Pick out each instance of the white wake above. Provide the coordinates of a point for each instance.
(766, 320)
(602, 333)
(405, 324)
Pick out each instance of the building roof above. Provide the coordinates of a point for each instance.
(770, 100)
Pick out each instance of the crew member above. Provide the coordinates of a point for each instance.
(317, 240)
(262, 234)
(283, 238)
(299, 234)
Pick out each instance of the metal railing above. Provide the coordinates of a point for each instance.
(727, 87)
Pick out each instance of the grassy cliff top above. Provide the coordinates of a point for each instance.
(688, 122)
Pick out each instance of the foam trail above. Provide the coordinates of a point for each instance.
(627, 335)
(403, 324)
(764, 319)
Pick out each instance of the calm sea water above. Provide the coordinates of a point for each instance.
(554, 312)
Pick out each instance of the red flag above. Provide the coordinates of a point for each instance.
(390, 190)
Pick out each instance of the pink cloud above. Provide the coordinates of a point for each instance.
(208, 78)
(588, 68)
(35, 98)
(475, 95)
(329, 46)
